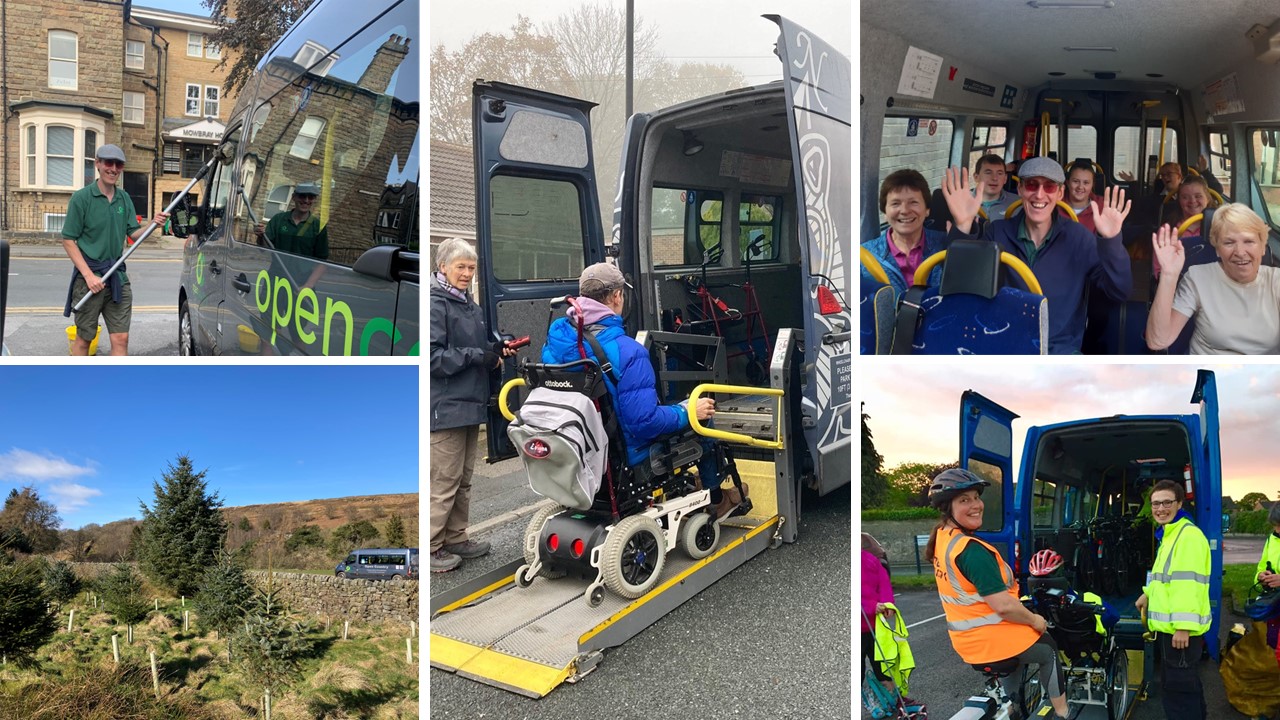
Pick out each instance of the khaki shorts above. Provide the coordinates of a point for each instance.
(115, 315)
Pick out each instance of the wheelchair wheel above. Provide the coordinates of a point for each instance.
(633, 556)
(1117, 683)
(531, 534)
(1029, 691)
(698, 535)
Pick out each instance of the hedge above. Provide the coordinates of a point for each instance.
(1251, 522)
(922, 513)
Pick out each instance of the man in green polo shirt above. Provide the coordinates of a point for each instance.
(98, 218)
(297, 231)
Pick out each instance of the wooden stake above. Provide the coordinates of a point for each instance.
(115, 648)
(413, 629)
(155, 675)
(130, 634)
(186, 620)
(268, 705)
(157, 604)
(71, 619)
(345, 625)
(408, 650)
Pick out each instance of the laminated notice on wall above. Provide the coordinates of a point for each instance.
(919, 73)
(1222, 97)
(755, 169)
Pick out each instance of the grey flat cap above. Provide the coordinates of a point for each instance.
(1042, 167)
(111, 152)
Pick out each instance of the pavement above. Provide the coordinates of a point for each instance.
(157, 246)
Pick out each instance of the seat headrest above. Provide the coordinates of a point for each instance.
(972, 267)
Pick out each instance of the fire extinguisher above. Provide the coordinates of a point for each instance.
(1186, 476)
(1029, 132)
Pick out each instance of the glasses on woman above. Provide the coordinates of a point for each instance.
(1163, 503)
(1034, 184)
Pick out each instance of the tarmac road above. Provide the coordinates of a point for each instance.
(942, 681)
(769, 640)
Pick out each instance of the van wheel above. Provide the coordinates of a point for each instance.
(633, 556)
(342, 575)
(531, 534)
(186, 335)
(698, 535)
(397, 579)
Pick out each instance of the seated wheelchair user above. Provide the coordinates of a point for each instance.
(594, 439)
(1081, 623)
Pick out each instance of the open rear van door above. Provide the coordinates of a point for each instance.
(819, 91)
(986, 449)
(1207, 484)
(537, 215)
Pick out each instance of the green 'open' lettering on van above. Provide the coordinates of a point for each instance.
(275, 299)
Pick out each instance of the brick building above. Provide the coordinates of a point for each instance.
(77, 75)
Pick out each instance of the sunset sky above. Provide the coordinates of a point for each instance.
(914, 409)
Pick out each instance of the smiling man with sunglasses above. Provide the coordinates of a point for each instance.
(98, 218)
(1066, 258)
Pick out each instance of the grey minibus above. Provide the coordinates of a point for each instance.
(394, 564)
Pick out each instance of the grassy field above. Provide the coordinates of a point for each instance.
(364, 676)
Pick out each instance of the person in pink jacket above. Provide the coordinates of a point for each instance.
(876, 592)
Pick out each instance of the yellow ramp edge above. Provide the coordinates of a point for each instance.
(495, 668)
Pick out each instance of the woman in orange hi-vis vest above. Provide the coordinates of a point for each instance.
(987, 622)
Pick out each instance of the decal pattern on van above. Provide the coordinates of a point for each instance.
(821, 157)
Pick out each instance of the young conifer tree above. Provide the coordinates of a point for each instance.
(183, 531)
(27, 619)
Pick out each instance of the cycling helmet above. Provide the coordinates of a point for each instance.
(950, 483)
(1044, 562)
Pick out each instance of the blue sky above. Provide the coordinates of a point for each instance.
(191, 7)
(92, 440)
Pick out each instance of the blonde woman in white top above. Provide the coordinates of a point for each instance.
(1236, 301)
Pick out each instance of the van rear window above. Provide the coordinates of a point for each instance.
(536, 228)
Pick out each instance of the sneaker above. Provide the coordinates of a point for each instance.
(443, 561)
(469, 549)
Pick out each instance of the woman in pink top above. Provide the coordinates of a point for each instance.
(1080, 193)
(876, 591)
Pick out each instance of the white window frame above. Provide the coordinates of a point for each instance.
(139, 114)
(29, 134)
(310, 53)
(74, 157)
(217, 100)
(301, 147)
(198, 97)
(49, 227)
(195, 40)
(90, 151)
(135, 54)
(212, 52)
(35, 164)
(74, 61)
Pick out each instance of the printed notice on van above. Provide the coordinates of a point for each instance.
(919, 73)
(755, 169)
(1222, 97)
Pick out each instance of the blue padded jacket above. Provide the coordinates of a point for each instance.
(643, 420)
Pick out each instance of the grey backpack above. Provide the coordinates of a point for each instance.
(562, 442)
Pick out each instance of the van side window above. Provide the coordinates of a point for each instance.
(1220, 158)
(685, 223)
(346, 127)
(916, 143)
(988, 139)
(759, 225)
(351, 559)
(537, 229)
(1264, 144)
(1044, 495)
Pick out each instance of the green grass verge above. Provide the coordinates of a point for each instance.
(366, 675)
(1236, 581)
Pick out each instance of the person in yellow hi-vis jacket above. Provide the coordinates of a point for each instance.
(1176, 600)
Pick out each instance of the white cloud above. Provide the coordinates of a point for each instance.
(24, 464)
(70, 497)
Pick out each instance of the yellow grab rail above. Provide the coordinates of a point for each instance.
(1044, 133)
(510, 385)
(1186, 224)
(701, 429)
(1024, 272)
(872, 265)
(1164, 126)
(1008, 213)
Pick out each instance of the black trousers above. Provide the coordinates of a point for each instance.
(868, 656)
(1181, 693)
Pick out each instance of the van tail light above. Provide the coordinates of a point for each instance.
(827, 303)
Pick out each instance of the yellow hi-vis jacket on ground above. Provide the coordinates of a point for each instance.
(892, 651)
(1271, 554)
(1178, 586)
(978, 633)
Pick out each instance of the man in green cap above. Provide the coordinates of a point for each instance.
(297, 230)
(98, 218)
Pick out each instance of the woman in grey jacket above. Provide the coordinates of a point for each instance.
(461, 357)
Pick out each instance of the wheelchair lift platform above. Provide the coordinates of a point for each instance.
(530, 640)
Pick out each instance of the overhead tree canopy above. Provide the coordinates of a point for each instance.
(1250, 500)
(257, 25)
(34, 519)
(874, 485)
(183, 530)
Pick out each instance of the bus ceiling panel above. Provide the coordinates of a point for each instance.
(1186, 43)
